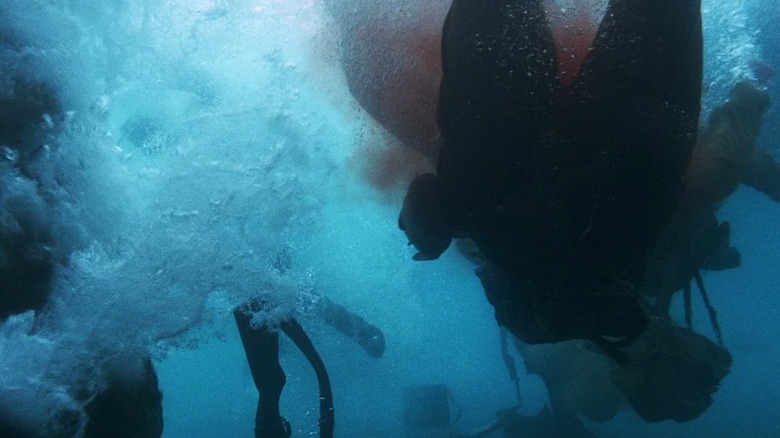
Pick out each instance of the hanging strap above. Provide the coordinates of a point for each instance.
(511, 367)
(711, 310)
(688, 305)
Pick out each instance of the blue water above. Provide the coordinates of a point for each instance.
(203, 138)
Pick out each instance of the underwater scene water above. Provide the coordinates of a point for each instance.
(187, 156)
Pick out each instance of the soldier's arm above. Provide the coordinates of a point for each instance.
(763, 174)
(725, 149)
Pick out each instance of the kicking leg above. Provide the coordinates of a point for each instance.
(640, 90)
(499, 72)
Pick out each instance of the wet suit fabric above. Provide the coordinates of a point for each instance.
(564, 189)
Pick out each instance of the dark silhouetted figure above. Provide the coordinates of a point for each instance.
(563, 188)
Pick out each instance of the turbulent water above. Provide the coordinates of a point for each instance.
(210, 150)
